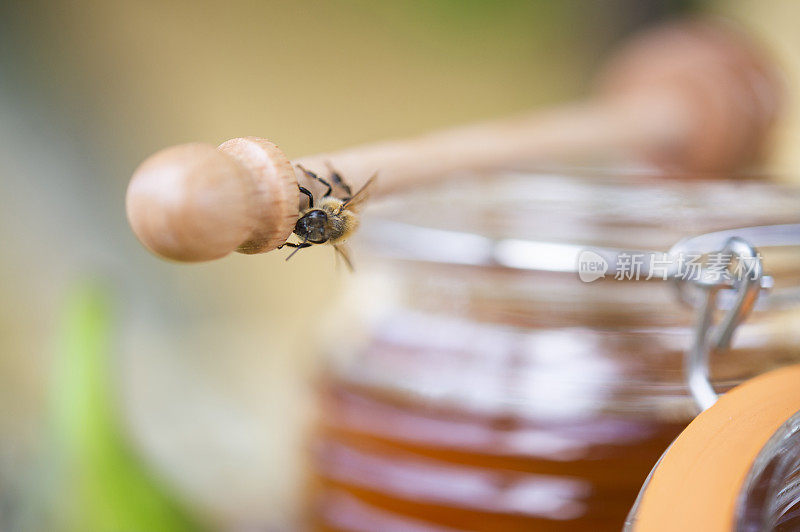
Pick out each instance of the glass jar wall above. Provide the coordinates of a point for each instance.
(474, 382)
(770, 496)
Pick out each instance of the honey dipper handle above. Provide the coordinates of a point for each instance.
(554, 135)
(694, 95)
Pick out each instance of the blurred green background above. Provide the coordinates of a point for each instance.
(136, 394)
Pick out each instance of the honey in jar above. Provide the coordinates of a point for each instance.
(474, 382)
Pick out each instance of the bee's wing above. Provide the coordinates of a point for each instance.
(357, 201)
(344, 252)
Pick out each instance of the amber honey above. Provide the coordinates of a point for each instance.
(384, 465)
(492, 430)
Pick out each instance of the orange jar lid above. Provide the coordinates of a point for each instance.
(697, 483)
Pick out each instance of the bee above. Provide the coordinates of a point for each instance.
(330, 220)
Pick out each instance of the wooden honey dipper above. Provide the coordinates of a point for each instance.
(693, 95)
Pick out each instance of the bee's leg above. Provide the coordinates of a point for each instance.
(312, 175)
(337, 179)
(304, 190)
(342, 252)
(297, 246)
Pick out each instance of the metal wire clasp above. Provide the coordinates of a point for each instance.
(743, 273)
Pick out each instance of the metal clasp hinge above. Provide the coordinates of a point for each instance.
(744, 274)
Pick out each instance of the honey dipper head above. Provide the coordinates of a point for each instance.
(196, 202)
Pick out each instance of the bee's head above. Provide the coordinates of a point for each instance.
(311, 227)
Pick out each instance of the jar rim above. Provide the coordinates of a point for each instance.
(470, 221)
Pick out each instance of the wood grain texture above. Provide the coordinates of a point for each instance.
(275, 197)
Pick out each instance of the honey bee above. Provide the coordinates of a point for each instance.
(330, 220)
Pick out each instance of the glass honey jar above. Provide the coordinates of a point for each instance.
(476, 381)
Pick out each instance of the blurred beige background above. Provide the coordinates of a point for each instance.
(215, 360)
